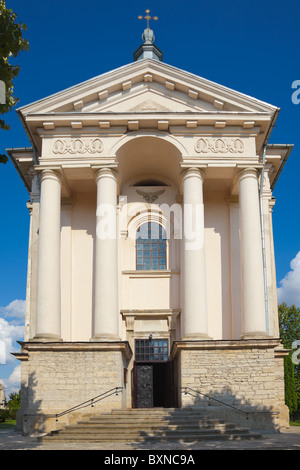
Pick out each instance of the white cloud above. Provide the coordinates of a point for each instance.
(11, 330)
(289, 290)
(13, 383)
(16, 309)
(9, 333)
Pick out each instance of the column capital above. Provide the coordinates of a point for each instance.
(192, 172)
(49, 173)
(105, 168)
(246, 172)
(106, 171)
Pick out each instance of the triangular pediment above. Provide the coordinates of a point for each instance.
(148, 104)
(147, 86)
(145, 98)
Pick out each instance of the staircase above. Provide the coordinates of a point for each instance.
(150, 424)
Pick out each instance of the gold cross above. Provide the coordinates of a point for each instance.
(148, 18)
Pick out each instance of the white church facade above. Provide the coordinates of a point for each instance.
(151, 259)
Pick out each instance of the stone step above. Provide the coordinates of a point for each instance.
(157, 420)
(143, 425)
(140, 421)
(151, 427)
(180, 437)
(154, 424)
(158, 411)
(149, 415)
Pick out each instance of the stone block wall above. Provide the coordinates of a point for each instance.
(247, 375)
(61, 376)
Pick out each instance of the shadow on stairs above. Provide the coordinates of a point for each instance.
(150, 424)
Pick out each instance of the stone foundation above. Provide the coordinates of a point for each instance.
(247, 375)
(59, 376)
(240, 381)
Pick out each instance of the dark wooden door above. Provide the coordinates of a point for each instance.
(143, 385)
(153, 385)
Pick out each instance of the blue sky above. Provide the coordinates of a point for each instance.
(249, 46)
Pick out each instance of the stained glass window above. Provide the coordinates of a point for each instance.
(151, 247)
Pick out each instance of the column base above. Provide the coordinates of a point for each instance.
(196, 337)
(46, 338)
(255, 335)
(105, 337)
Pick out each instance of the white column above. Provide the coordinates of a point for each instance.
(106, 315)
(48, 309)
(254, 322)
(235, 266)
(195, 304)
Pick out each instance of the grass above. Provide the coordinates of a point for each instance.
(295, 423)
(8, 424)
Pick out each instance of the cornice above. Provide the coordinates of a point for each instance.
(125, 77)
(176, 123)
(265, 343)
(121, 346)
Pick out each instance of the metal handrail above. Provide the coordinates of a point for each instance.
(91, 402)
(212, 398)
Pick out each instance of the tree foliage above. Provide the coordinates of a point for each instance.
(291, 399)
(12, 43)
(289, 327)
(14, 401)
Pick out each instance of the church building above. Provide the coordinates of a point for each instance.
(151, 271)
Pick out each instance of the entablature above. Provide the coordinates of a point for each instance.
(198, 142)
(109, 125)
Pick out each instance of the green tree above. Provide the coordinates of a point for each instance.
(289, 327)
(11, 44)
(290, 385)
(14, 401)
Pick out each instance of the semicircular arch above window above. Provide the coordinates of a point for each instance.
(150, 182)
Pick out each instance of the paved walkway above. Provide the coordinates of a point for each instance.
(288, 439)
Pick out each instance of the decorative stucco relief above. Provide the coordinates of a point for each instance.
(77, 146)
(150, 197)
(219, 145)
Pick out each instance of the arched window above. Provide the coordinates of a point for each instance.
(151, 247)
